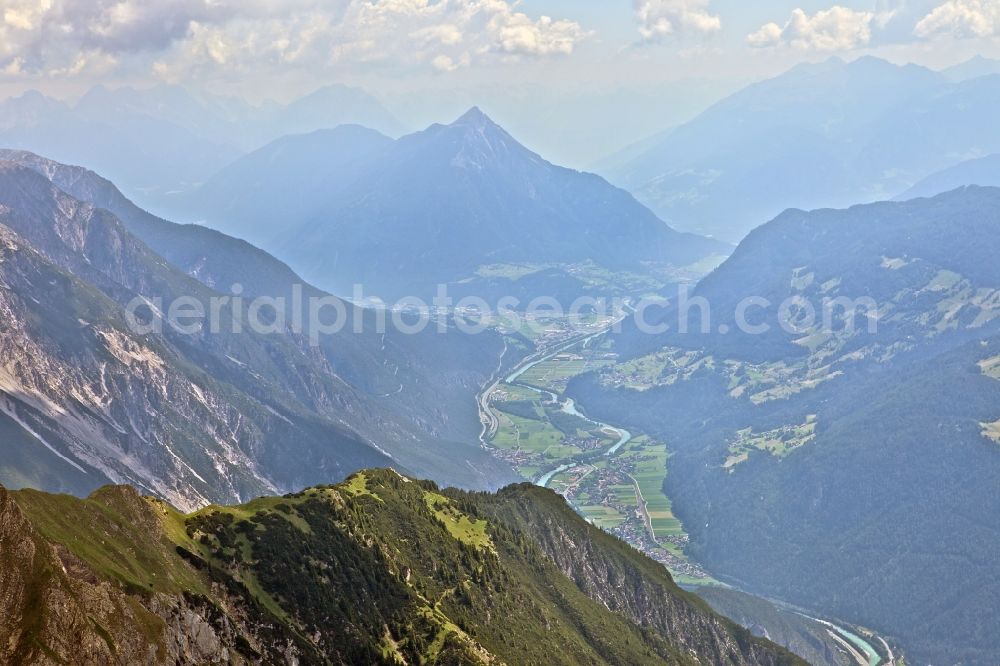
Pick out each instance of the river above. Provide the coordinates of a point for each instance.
(567, 405)
(869, 652)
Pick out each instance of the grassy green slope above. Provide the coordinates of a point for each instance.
(383, 569)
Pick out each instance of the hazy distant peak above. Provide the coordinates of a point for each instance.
(476, 127)
(475, 141)
(972, 68)
(870, 61)
(345, 130)
(335, 89)
(32, 95)
(830, 64)
(32, 99)
(476, 118)
(865, 64)
(334, 104)
(978, 60)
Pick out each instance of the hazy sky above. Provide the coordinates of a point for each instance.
(679, 54)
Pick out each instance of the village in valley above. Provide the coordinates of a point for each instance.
(612, 477)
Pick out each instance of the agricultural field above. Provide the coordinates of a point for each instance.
(991, 431)
(623, 495)
(546, 440)
(991, 367)
(605, 517)
(532, 436)
(650, 470)
(509, 271)
(779, 442)
(598, 277)
(553, 375)
(660, 368)
(765, 382)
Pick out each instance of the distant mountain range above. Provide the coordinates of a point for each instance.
(207, 417)
(381, 569)
(984, 171)
(463, 204)
(161, 139)
(831, 466)
(824, 135)
(972, 68)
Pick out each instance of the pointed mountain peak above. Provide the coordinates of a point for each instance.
(481, 140)
(474, 117)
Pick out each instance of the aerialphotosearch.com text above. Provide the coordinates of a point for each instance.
(319, 316)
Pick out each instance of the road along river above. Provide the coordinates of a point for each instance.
(861, 651)
(567, 405)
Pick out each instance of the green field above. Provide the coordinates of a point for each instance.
(991, 367)
(650, 473)
(779, 442)
(533, 436)
(991, 431)
(660, 368)
(509, 271)
(645, 462)
(554, 374)
(464, 528)
(534, 432)
(605, 517)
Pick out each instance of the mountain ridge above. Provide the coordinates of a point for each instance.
(843, 419)
(354, 383)
(831, 134)
(154, 141)
(981, 171)
(407, 573)
(442, 206)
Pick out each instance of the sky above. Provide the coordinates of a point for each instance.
(642, 64)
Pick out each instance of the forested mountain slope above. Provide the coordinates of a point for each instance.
(425, 379)
(276, 412)
(462, 204)
(379, 569)
(834, 133)
(841, 468)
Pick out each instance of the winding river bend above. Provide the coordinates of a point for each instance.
(860, 649)
(567, 405)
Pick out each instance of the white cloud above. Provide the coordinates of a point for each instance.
(659, 19)
(445, 34)
(63, 38)
(516, 33)
(835, 29)
(444, 63)
(961, 18)
(184, 36)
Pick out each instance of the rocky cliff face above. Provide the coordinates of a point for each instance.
(786, 440)
(59, 614)
(607, 570)
(410, 393)
(191, 419)
(380, 569)
(58, 608)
